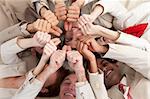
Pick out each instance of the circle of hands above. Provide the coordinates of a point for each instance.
(47, 26)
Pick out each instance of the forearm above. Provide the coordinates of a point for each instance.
(80, 2)
(43, 76)
(93, 66)
(109, 34)
(26, 43)
(98, 10)
(81, 75)
(40, 66)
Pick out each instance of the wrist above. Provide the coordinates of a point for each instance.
(103, 49)
(81, 76)
(59, 1)
(80, 3)
(34, 43)
(42, 11)
(98, 10)
(93, 66)
(30, 28)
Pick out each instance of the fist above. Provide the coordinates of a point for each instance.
(61, 11)
(50, 17)
(57, 59)
(75, 60)
(39, 25)
(73, 13)
(40, 39)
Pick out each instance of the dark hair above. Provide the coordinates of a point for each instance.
(53, 90)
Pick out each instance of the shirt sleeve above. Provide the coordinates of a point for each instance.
(84, 91)
(97, 84)
(9, 51)
(30, 88)
(41, 3)
(130, 40)
(114, 7)
(133, 57)
(23, 29)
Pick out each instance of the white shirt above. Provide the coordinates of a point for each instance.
(13, 66)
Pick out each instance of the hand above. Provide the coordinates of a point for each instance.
(66, 48)
(84, 19)
(56, 30)
(47, 52)
(84, 50)
(75, 61)
(57, 59)
(40, 39)
(50, 47)
(68, 26)
(73, 12)
(49, 16)
(61, 11)
(39, 25)
(91, 42)
(90, 29)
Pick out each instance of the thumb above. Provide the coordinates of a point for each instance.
(66, 26)
(56, 41)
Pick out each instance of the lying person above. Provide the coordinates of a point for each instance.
(131, 78)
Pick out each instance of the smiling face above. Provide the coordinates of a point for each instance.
(72, 36)
(112, 74)
(67, 88)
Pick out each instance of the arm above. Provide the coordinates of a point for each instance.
(32, 84)
(13, 31)
(83, 88)
(134, 57)
(125, 39)
(96, 77)
(118, 36)
(10, 48)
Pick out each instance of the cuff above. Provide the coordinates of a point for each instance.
(31, 86)
(38, 7)
(122, 38)
(80, 84)
(112, 49)
(12, 46)
(23, 29)
(102, 4)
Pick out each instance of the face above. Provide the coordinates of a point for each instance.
(67, 88)
(112, 74)
(72, 36)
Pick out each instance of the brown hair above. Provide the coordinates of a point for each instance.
(53, 90)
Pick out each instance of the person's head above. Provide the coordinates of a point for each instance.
(72, 36)
(67, 88)
(51, 87)
(112, 72)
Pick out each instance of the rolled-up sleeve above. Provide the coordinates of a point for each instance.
(30, 88)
